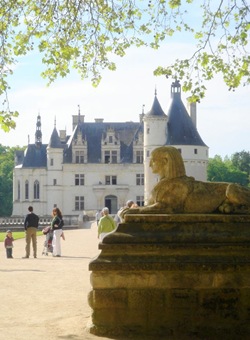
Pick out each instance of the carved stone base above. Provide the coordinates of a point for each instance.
(173, 275)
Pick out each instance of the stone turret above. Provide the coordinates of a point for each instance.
(155, 123)
(183, 134)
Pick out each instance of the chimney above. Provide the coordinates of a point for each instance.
(192, 109)
(62, 134)
(99, 120)
(77, 119)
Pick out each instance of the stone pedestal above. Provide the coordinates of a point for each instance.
(174, 276)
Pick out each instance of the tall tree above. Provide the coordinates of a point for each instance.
(87, 34)
(220, 170)
(6, 179)
(241, 160)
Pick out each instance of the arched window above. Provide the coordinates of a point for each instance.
(26, 189)
(36, 190)
(18, 191)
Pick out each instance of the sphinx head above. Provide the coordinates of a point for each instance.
(167, 162)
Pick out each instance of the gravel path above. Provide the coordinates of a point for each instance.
(46, 298)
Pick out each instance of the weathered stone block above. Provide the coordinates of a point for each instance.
(109, 298)
(174, 275)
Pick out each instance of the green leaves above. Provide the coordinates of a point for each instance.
(6, 120)
(233, 169)
(7, 156)
(86, 35)
(174, 3)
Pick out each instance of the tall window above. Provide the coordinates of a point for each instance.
(106, 157)
(139, 179)
(18, 190)
(114, 156)
(110, 180)
(139, 156)
(140, 200)
(79, 179)
(26, 190)
(36, 190)
(80, 157)
(79, 203)
(110, 156)
(51, 161)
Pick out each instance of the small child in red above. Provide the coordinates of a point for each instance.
(8, 243)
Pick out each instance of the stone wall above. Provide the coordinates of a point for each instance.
(173, 275)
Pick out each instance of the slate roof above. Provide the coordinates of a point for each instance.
(94, 132)
(180, 131)
(180, 127)
(156, 109)
(35, 156)
(55, 141)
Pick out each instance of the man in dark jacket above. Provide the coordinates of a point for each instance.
(30, 226)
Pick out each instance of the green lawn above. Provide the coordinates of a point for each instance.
(16, 235)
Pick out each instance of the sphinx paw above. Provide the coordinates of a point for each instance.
(226, 208)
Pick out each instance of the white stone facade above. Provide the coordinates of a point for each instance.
(99, 164)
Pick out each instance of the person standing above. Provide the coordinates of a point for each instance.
(98, 215)
(30, 225)
(106, 224)
(57, 225)
(8, 244)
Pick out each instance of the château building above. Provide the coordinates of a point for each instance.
(104, 163)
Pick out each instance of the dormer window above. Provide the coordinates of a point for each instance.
(110, 147)
(79, 157)
(80, 149)
(107, 157)
(110, 156)
(138, 149)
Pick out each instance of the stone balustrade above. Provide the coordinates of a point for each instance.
(17, 223)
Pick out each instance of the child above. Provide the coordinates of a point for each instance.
(8, 243)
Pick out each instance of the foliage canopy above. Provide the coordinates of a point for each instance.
(86, 34)
(230, 170)
(7, 156)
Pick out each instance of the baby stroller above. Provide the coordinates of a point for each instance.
(48, 248)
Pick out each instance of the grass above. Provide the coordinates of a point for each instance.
(16, 235)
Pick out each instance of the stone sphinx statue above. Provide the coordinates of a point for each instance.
(177, 193)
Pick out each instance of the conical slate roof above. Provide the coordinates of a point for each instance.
(55, 141)
(156, 109)
(35, 156)
(180, 128)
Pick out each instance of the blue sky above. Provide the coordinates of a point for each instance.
(223, 119)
